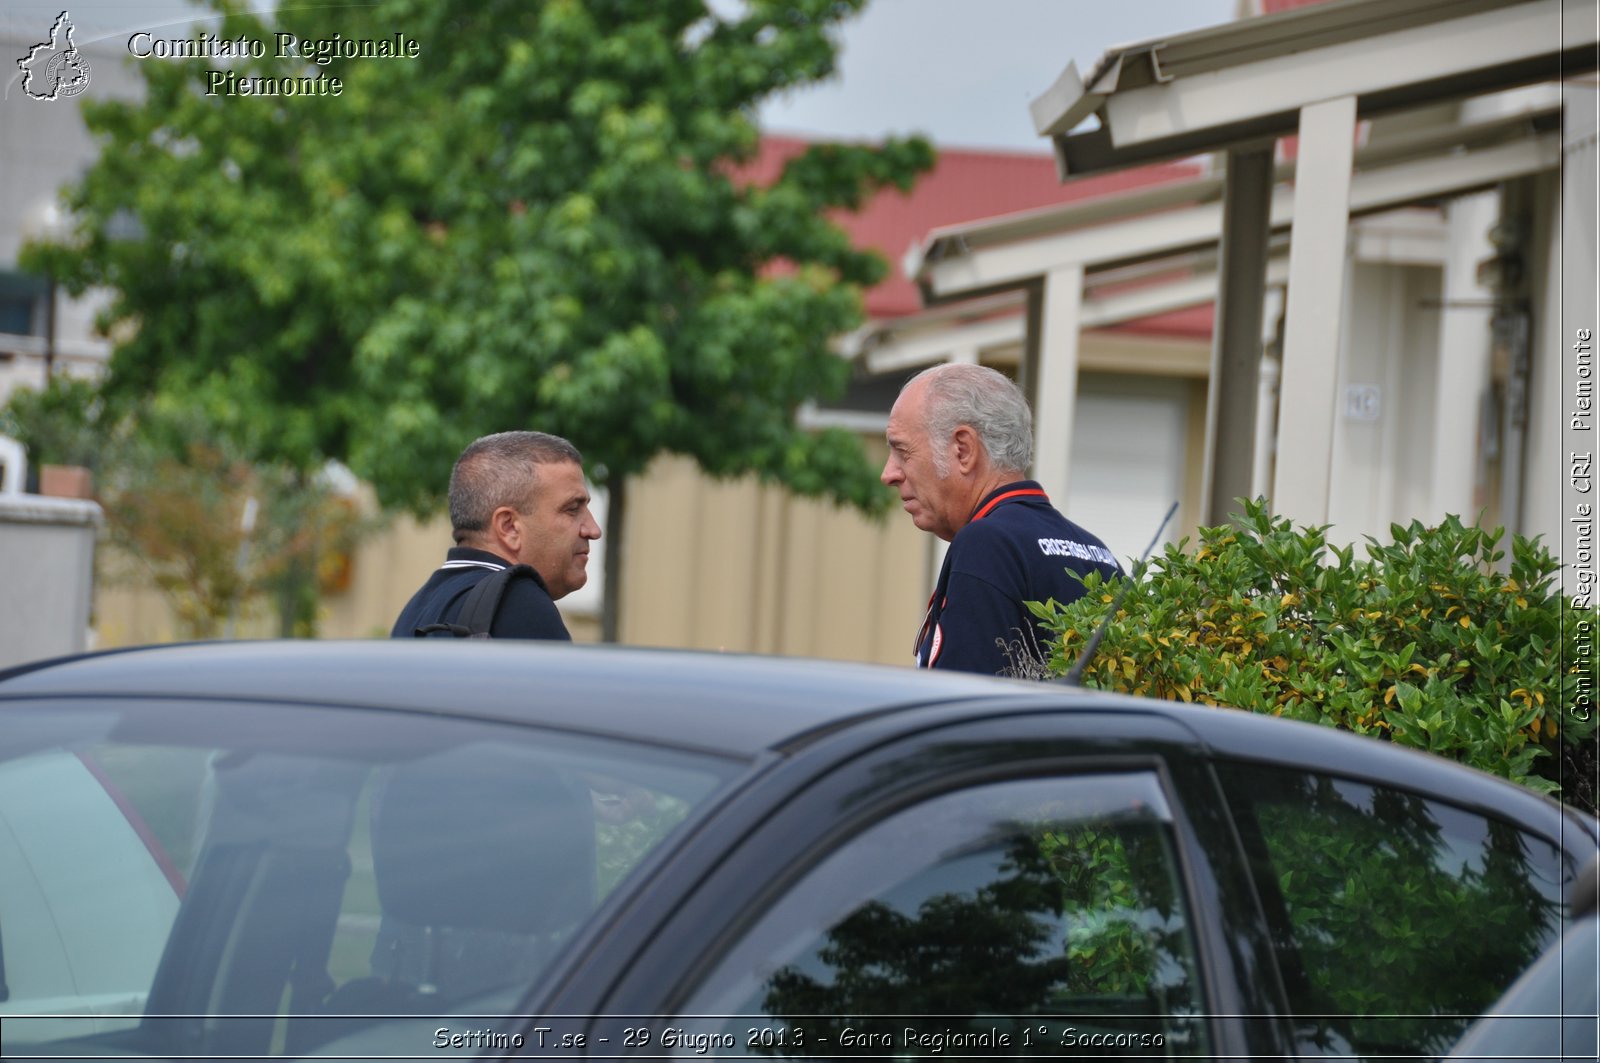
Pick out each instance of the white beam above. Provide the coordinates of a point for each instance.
(1011, 265)
(894, 352)
(1384, 62)
(1266, 428)
(1401, 241)
(1496, 118)
(1017, 264)
(1317, 264)
(1196, 290)
(1443, 175)
(1055, 389)
(939, 345)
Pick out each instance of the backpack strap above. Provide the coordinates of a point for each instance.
(481, 602)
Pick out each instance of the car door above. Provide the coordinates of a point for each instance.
(1397, 915)
(1039, 884)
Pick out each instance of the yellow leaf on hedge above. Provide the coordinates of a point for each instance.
(1550, 727)
(1466, 621)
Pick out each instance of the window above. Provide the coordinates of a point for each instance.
(1396, 919)
(22, 299)
(300, 868)
(1031, 917)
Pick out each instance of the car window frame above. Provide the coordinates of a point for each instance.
(1273, 904)
(815, 811)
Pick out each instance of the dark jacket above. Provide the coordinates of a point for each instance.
(526, 612)
(1017, 548)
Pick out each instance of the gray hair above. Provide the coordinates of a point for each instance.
(960, 393)
(500, 470)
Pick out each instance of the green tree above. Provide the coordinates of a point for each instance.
(539, 221)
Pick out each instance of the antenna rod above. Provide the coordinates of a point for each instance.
(1074, 677)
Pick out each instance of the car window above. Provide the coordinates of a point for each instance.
(1397, 919)
(1552, 1011)
(305, 867)
(1028, 917)
(85, 911)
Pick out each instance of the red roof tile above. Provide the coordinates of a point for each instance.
(965, 185)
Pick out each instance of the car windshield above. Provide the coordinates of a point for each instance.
(211, 878)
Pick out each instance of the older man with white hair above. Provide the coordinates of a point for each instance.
(960, 441)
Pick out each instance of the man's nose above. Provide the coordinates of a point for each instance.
(890, 474)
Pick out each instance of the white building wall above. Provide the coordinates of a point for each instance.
(1383, 415)
(1128, 463)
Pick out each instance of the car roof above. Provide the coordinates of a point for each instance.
(731, 703)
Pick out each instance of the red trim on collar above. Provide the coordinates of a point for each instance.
(997, 499)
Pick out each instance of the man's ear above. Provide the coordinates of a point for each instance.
(505, 527)
(968, 449)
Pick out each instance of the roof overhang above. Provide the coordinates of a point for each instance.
(1231, 84)
(958, 262)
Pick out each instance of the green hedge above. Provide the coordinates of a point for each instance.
(1428, 642)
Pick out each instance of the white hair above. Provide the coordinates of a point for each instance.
(985, 400)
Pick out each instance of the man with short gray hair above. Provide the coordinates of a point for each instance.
(515, 498)
(960, 441)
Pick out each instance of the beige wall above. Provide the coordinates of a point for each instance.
(749, 568)
(388, 567)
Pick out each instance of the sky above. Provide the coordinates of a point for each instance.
(959, 71)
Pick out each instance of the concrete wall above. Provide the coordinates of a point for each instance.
(46, 575)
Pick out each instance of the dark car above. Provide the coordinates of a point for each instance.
(1553, 1010)
(390, 850)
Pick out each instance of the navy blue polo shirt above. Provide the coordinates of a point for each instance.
(1016, 548)
(526, 611)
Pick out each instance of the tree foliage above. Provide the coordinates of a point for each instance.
(537, 222)
(1073, 923)
(175, 495)
(1429, 641)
